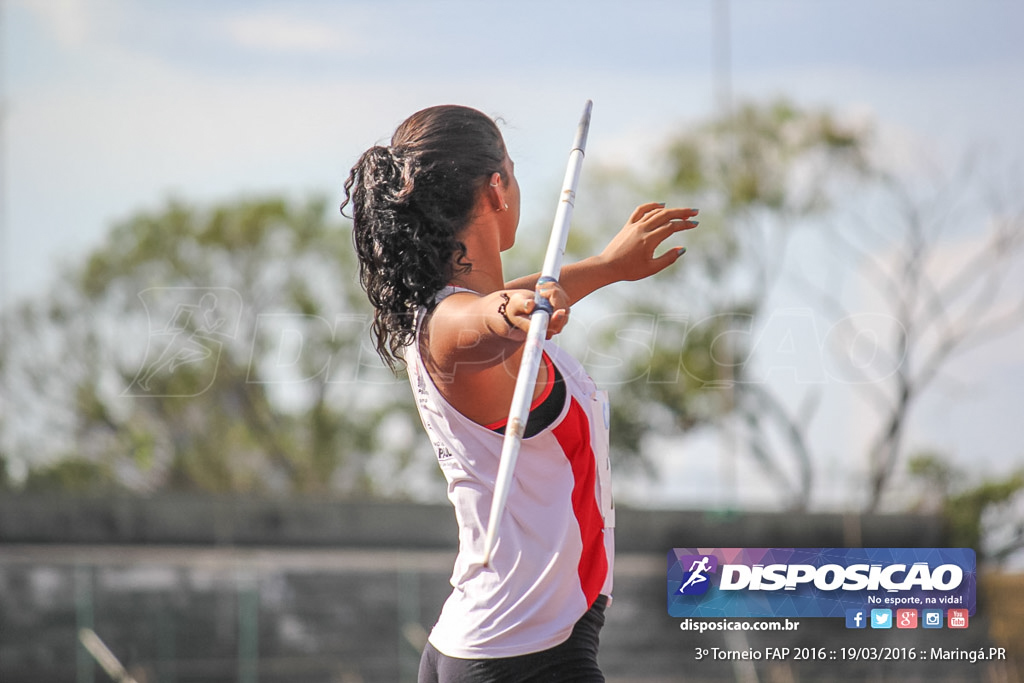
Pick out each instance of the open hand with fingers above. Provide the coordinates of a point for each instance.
(630, 255)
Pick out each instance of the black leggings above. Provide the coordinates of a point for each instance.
(575, 660)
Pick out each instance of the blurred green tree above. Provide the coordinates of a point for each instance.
(984, 515)
(215, 349)
(909, 268)
(225, 348)
(755, 176)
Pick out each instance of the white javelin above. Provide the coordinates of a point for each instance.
(519, 412)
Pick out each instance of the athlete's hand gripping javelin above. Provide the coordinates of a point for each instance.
(518, 306)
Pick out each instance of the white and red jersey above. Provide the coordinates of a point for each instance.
(555, 542)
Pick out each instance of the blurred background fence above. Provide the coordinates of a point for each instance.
(186, 588)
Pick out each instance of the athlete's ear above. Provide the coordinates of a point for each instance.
(497, 193)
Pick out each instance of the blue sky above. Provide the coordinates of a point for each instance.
(112, 105)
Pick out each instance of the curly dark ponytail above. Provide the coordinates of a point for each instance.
(410, 202)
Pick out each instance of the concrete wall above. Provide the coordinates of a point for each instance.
(197, 590)
(195, 520)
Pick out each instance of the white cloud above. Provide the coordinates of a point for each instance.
(67, 20)
(286, 33)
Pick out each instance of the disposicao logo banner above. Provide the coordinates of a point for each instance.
(817, 582)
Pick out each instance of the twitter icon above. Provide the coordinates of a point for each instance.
(881, 618)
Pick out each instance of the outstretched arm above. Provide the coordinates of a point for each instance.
(629, 256)
(481, 331)
(478, 341)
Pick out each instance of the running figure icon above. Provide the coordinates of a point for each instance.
(188, 327)
(697, 573)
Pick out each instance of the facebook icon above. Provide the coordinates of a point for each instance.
(856, 618)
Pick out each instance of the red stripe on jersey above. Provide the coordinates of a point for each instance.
(544, 394)
(573, 435)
